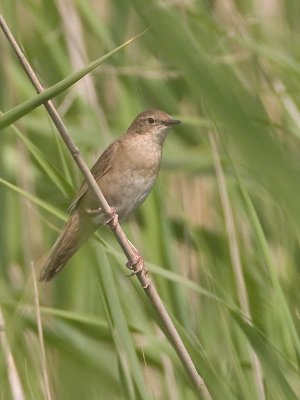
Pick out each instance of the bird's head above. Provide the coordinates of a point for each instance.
(154, 123)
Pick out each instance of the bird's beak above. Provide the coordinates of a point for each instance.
(171, 122)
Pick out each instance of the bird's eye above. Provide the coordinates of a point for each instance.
(150, 121)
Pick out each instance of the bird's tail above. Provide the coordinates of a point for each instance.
(69, 241)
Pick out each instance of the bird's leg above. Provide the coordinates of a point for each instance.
(110, 218)
(138, 262)
(139, 265)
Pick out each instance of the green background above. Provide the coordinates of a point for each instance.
(220, 231)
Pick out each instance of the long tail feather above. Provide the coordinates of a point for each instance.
(69, 241)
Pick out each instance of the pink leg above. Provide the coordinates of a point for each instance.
(112, 219)
(138, 262)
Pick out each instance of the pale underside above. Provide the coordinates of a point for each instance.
(132, 192)
(123, 186)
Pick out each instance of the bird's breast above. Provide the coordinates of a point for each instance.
(137, 172)
(134, 188)
(131, 177)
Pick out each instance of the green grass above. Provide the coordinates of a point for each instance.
(232, 73)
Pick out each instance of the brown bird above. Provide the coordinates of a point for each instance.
(125, 172)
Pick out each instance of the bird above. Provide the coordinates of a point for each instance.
(125, 172)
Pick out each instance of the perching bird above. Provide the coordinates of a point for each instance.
(125, 172)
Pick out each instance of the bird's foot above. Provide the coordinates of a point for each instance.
(112, 219)
(137, 266)
(138, 261)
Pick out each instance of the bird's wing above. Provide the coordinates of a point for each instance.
(99, 169)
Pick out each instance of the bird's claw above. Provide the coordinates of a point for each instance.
(140, 267)
(112, 219)
(139, 264)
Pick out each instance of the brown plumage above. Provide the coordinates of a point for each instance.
(125, 172)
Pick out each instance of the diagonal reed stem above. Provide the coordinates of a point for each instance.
(144, 280)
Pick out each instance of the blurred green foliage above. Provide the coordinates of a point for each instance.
(230, 70)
